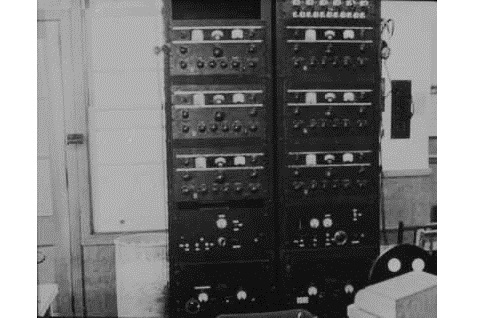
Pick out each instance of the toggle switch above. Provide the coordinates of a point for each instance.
(311, 98)
(237, 34)
(201, 162)
(310, 35)
(197, 35)
(199, 99)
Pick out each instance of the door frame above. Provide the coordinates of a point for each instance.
(68, 265)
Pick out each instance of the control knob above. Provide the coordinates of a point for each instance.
(212, 64)
(253, 127)
(252, 48)
(237, 126)
(200, 64)
(222, 223)
(254, 187)
(222, 242)
(202, 127)
(238, 187)
(185, 114)
(314, 223)
(203, 297)
(223, 64)
(217, 52)
(185, 190)
(213, 127)
(220, 178)
(235, 64)
(183, 64)
(312, 291)
(203, 189)
(225, 128)
(219, 116)
(241, 295)
(192, 306)
(327, 222)
(183, 50)
(340, 237)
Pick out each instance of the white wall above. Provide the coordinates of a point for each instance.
(411, 59)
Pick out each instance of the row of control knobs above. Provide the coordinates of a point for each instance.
(225, 188)
(234, 64)
(345, 184)
(325, 61)
(335, 3)
(328, 123)
(193, 305)
(224, 126)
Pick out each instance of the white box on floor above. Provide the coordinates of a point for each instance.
(411, 295)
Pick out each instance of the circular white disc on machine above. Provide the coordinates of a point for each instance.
(394, 265)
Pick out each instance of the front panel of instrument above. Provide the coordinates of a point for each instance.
(219, 49)
(203, 175)
(324, 287)
(326, 226)
(222, 233)
(208, 290)
(227, 112)
(329, 10)
(320, 174)
(330, 51)
(329, 112)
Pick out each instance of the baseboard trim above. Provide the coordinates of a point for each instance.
(407, 173)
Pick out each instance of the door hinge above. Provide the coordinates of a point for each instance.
(75, 139)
